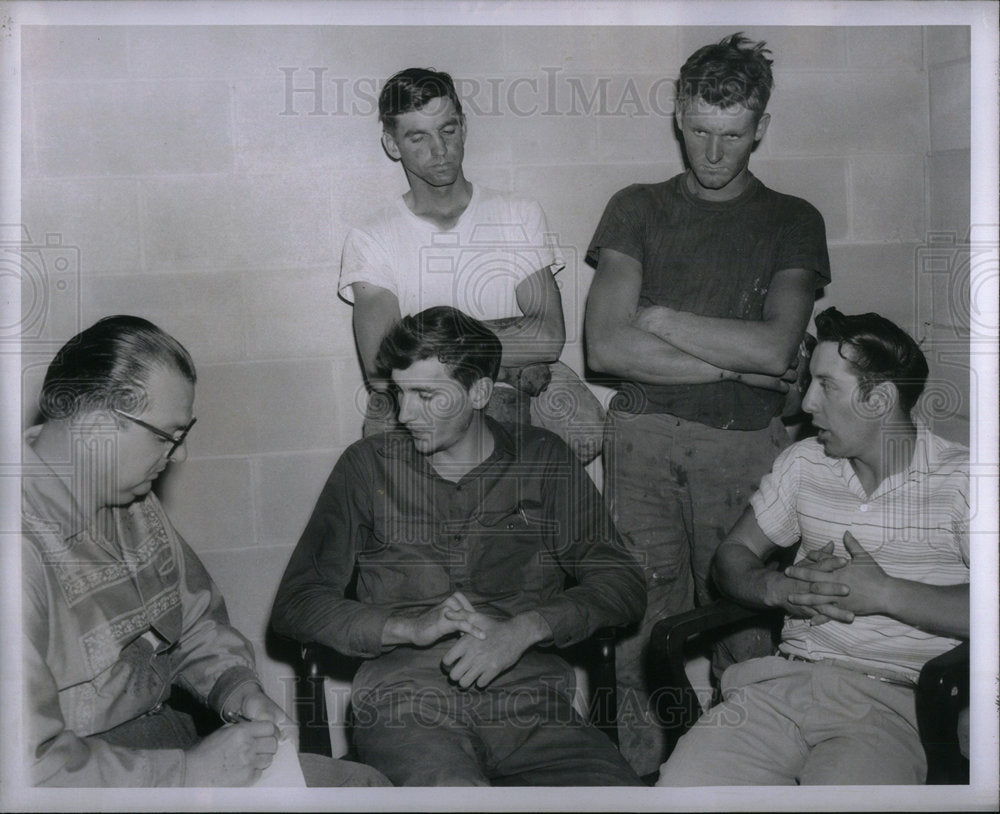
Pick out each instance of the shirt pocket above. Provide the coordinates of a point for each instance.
(401, 561)
(508, 551)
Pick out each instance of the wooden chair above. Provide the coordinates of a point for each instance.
(596, 655)
(942, 690)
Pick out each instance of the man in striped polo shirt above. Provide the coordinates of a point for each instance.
(879, 587)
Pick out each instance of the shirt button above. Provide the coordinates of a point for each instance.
(458, 536)
(863, 507)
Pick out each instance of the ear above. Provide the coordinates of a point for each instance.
(480, 392)
(881, 400)
(762, 123)
(390, 146)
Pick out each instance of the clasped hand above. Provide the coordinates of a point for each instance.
(826, 586)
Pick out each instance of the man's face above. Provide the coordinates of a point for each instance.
(141, 455)
(718, 142)
(430, 142)
(847, 427)
(435, 408)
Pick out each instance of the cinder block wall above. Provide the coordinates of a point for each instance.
(197, 177)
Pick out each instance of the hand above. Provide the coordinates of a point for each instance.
(820, 559)
(251, 703)
(453, 615)
(479, 661)
(232, 756)
(860, 588)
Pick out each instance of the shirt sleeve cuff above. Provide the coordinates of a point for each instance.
(230, 681)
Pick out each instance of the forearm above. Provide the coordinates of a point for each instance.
(745, 578)
(940, 609)
(315, 613)
(527, 340)
(746, 346)
(630, 353)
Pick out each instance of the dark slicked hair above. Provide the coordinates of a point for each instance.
(468, 349)
(107, 367)
(878, 350)
(735, 71)
(410, 90)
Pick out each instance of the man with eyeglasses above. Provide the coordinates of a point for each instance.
(116, 607)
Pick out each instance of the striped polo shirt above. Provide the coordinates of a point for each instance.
(915, 526)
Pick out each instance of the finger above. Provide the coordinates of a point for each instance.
(828, 564)
(816, 583)
(456, 652)
(463, 601)
(854, 548)
(822, 551)
(821, 602)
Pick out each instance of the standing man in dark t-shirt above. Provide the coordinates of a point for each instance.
(703, 289)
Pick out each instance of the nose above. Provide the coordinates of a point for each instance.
(438, 146)
(180, 454)
(811, 401)
(714, 150)
(407, 408)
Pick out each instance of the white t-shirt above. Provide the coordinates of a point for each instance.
(475, 266)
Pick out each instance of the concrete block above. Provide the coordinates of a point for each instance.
(99, 216)
(282, 130)
(77, 52)
(202, 311)
(268, 407)
(875, 277)
(538, 138)
(228, 52)
(248, 580)
(209, 500)
(793, 47)
(287, 487)
(128, 128)
(352, 399)
(887, 197)
(950, 102)
(894, 47)
(949, 191)
(229, 222)
(848, 112)
(611, 49)
(293, 313)
(821, 181)
(946, 43)
(638, 124)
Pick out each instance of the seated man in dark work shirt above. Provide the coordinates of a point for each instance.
(464, 535)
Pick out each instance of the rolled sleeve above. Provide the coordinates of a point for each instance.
(774, 504)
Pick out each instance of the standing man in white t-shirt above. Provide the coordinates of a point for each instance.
(447, 242)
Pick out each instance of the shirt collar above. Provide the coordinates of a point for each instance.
(46, 498)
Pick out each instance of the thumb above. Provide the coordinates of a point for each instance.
(854, 548)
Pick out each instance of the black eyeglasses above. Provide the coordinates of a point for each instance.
(174, 440)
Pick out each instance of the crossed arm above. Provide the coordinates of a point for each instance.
(824, 586)
(535, 336)
(659, 345)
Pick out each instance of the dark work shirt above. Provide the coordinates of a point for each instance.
(715, 259)
(524, 530)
